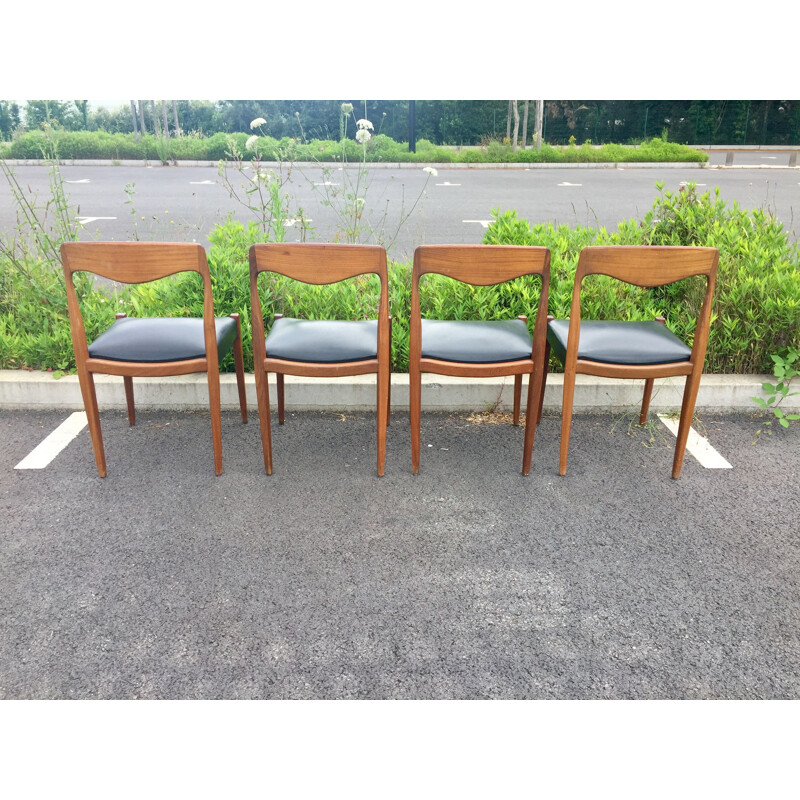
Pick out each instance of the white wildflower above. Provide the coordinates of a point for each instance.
(363, 136)
(347, 108)
(257, 121)
(430, 171)
(364, 124)
(251, 143)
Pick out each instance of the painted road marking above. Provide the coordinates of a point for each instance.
(83, 180)
(686, 183)
(202, 183)
(447, 183)
(327, 183)
(566, 183)
(289, 222)
(485, 222)
(86, 220)
(47, 450)
(698, 446)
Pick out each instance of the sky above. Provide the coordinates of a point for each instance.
(684, 50)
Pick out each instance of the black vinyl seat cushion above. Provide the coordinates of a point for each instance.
(476, 341)
(620, 342)
(323, 341)
(158, 339)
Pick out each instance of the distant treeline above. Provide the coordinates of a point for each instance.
(443, 122)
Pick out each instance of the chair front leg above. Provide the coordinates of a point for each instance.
(216, 416)
(262, 398)
(566, 417)
(86, 380)
(281, 412)
(382, 415)
(414, 405)
(128, 380)
(687, 413)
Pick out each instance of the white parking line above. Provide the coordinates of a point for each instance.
(485, 222)
(698, 446)
(567, 183)
(447, 183)
(85, 220)
(47, 450)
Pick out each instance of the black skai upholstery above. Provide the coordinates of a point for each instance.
(156, 339)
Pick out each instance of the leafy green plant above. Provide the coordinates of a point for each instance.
(786, 368)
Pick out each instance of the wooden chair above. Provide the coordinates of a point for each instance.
(480, 348)
(320, 348)
(134, 347)
(630, 349)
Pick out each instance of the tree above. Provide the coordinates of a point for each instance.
(515, 109)
(525, 126)
(133, 117)
(538, 124)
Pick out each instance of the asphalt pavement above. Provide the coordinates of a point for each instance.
(467, 581)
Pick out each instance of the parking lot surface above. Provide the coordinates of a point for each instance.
(466, 581)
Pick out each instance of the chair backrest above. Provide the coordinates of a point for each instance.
(648, 266)
(133, 262)
(318, 263)
(482, 265)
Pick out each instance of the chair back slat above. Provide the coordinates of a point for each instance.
(647, 265)
(318, 263)
(134, 262)
(480, 265)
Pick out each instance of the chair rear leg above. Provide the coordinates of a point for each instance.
(238, 359)
(518, 396)
(86, 379)
(687, 413)
(648, 391)
(545, 364)
(129, 399)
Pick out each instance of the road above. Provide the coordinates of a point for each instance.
(455, 206)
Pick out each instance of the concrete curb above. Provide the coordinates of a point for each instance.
(87, 162)
(26, 390)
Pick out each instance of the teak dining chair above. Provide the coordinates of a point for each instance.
(155, 346)
(479, 348)
(320, 348)
(631, 349)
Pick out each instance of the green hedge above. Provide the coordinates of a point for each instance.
(756, 308)
(381, 148)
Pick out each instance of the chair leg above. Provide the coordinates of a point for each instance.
(128, 380)
(545, 365)
(566, 418)
(687, 413)
(518, 396)
(281, 414)
(262, 398)
(239, 362)
(383, 413)
(534, 388)
(648, 391)
(86, 379)
(414, 405)
(216, 417)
